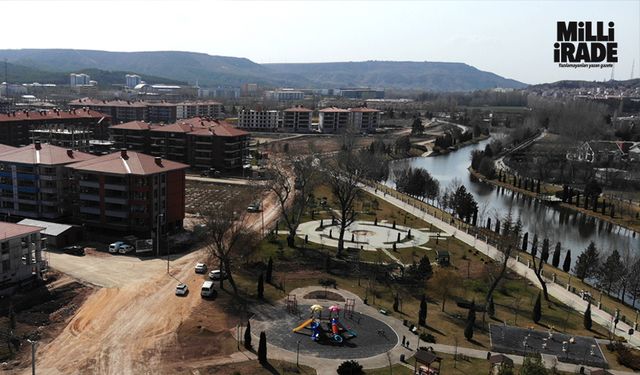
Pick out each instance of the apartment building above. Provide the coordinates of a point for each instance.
(130, 192)
(284, 95)
(20, 254)
(119, 110)
(296, 119)
(333, 120)
(208, 108)
(261, 120)
(364, 119)
(35, 183)
(19, 128)
(166, 113)
(199, 142)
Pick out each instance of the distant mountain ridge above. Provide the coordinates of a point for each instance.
(26, 74)
(210, 70)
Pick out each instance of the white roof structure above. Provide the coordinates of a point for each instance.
(50, 229)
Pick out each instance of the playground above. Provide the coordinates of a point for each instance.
(324, 328)
(367, 235)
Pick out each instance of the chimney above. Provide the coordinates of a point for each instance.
(70, 153)
(37, 145)
(158, 160)
(123, 153)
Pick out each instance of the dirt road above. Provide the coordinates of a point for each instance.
(125, 327)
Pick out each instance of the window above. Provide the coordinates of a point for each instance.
(6, 266)
(4, 247)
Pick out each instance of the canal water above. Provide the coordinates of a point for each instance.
(574, 230)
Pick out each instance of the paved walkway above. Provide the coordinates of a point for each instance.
(572, 300)
(325, 366)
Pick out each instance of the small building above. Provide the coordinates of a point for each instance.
(296, 119)
(56, 235)
(443, 257)
(364, 119)
(498, 363)
(333, 120)
(20, 255)
(597, 152)
(426, 359)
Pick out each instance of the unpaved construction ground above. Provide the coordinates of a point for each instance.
(136, 324)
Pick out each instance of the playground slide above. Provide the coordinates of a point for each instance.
(303, 325)
(349, 331)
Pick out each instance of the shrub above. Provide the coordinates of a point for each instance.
(427, 337)
(350, 368)
(328, 282)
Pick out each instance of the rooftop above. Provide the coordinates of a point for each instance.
(51, 115)
(133, 125)
(298, 109)
(363, 109)
(49, 228)
(11, 230)
(128, 162)
(333, 109)
(107, 103)
(44, 154)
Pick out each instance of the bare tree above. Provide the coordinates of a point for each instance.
(292, 182)
(507, 245)
(538, 263)
(228, 232)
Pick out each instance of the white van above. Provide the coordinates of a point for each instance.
(207, 289)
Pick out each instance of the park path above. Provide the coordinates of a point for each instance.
(326, 366)
(570, 299)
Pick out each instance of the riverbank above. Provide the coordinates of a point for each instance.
(458, 146)
(624, 221)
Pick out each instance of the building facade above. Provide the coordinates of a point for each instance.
(296, 119)
(19, 128)
(261, 120)
(333, 119)
(79, 80)
(284, 95)
(132, 80)
(208, 108)
(35, 183)
(129, 192)
(364, 119)
(20, 254)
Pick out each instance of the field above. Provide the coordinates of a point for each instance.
(204, 196)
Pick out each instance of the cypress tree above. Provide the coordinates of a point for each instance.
(537, 310)
(525, 241)
(587, 318)
(468, 330)
(269, 273)
(262, 348)
(247, 337)
(491, 308)
(566, 266)
(556, 255)
(261, 286)
(422, 314)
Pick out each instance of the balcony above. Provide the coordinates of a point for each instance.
(89, 183)
(90, 197)
(90, 210)
(115, 200)
(115, 187)
(116, 213)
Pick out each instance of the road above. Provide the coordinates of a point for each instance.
(569, 299)
(127, 324)
(499, 162)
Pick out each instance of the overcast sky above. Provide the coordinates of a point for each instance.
(513, 39)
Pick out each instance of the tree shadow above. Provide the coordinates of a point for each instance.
(434, 329)
(473, 341)
(269, 367)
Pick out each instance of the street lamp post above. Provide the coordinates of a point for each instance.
(298, 354)
(33, 356)
(160, 216)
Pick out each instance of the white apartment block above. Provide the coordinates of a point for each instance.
(364, 119)
(206, 109)
(296, 119)
(258, 120)
(333, 120)
(20, 254)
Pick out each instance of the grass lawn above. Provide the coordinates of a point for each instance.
(255, 368)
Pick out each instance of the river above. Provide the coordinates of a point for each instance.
(573, 229)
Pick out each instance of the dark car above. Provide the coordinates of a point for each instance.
(74, 250)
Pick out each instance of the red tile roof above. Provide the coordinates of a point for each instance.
(52, 115)
(106, 103)
(134, 163)
(173, 128)
(11, 230)
(46, 155)
(363, 109)
(298, 109)
(333, 109)
(133, 125)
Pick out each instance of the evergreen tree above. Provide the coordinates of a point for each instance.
(534, 246)
(491, 308)
(566, 266)
(611, 271)
(556, 256)
(261, 286)
(587, 263)
(262, 348)
(537, 309)
(269, 273)
(544, 254)
(417, 127)
(396, 303)
(468, 330)
(525, 241)
(533, 366)
(422, 314)
(350, 367)
(247, 337)
(587, 318)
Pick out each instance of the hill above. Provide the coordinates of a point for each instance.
(629, 83)
(25, 74)
(428, 76)
(210, 70)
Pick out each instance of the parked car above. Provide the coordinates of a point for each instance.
(114, 247)
(201, 268)
(207, 290)
(126, 249)
(182, 289)
(74, 250)
(211, 172)
(217, 275)
(254, 207)
(586, 295)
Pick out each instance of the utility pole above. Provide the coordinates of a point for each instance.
(160, 216)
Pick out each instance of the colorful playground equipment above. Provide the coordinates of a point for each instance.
(335, 330)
